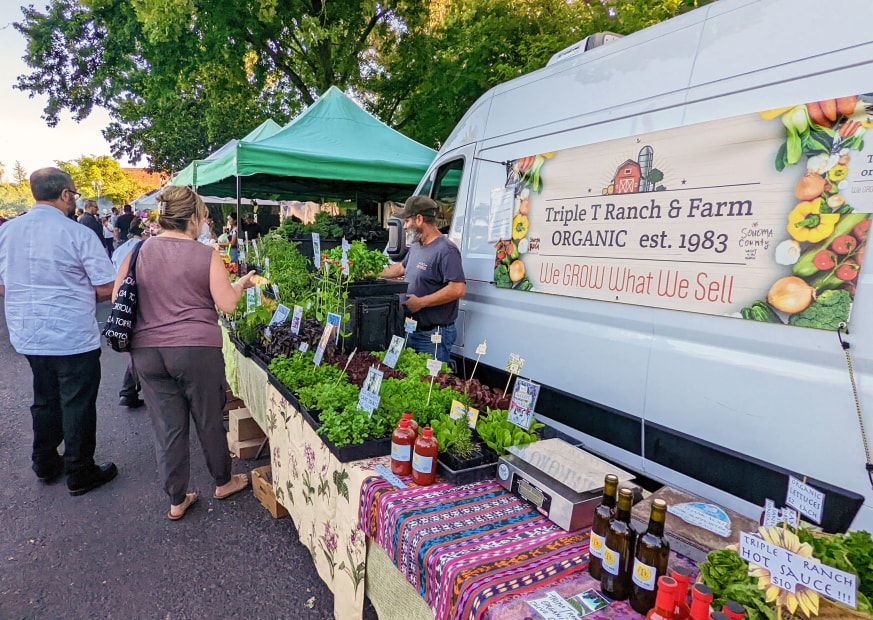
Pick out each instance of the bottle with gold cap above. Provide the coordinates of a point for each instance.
(618, 551)
(650, 560)
(603, 514)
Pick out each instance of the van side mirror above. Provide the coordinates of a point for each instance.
(397, 247)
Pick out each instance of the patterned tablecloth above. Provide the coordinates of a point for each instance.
(321, 495)
(467, 548)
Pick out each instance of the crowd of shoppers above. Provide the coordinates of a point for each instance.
(53, 271)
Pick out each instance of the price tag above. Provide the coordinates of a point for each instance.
(457, 411)
(304, 347)
(368, 399)
(480, 350)
(515, 364)
(409, 325)
(807, 500)
(394, 350)
(369, 402)
(436, 338)
(296, 319)
(434, 366)
(316, 250)
(389, 476)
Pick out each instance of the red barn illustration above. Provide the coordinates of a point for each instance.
(627, 178)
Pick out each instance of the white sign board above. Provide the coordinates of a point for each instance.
(808, 501)
(788, 570)
(553, 607)
(775, 516)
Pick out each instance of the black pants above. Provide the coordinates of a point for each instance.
(180, 384)
(65, 409)
(130, 386)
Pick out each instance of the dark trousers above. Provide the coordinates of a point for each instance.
(65, 409)
(130, 386)
(180, 384)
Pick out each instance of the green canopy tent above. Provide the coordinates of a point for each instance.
(190, 175)
(332, 150)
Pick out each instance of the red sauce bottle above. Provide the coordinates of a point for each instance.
(683, 580)
(424, 457)
(664, 601)
(701, 597)
(412, 423)
(735, 610)
(401, 449)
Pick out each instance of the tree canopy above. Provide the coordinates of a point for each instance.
(102, 176)
(181, 77)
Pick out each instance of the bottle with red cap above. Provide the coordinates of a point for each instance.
(683, 580)
(412, 423)
(664, 600)
(401, 449)
(701, 597)
(734, 610)
(720, 615)
(424, 457)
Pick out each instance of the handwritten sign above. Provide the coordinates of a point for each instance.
(409, 325)
(394, 351)
(553, 607)
(368, 399)
(808, 501)
(788, 570)
(296, 319)
(480, 350)
(775, 516)
(434, 366)
(521, 407)
(316, 250)
(458, 411)
(515, 364)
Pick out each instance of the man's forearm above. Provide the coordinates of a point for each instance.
(393, 271)
(2, 291)
(449, 293)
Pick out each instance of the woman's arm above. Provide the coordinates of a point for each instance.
(226, 295)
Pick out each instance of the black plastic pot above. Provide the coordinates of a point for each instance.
(376, 288)
(469, 475)
(305, 247)
(241, 346)
(457, 464)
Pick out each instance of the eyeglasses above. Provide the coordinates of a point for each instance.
(74, 193)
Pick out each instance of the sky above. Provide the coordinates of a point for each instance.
(24, 135)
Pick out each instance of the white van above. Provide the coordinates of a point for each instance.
(682, 390)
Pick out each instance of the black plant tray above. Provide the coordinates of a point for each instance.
(259, 360)
(242, 347)
(284, 391)
(465, 476)
(355, 452)
(375, 288)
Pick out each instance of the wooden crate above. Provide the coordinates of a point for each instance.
(263, 490)
(243, 426)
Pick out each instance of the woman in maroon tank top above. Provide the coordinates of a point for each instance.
(176, 346)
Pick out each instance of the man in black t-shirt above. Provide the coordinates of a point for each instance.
(122, 224)
(250, 228)
(436, 279)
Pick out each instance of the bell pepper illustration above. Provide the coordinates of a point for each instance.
(806, 223)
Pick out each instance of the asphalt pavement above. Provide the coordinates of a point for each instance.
(112, 553)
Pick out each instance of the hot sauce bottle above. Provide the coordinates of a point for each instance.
(401, 449)
(618, 551)
(603, 514)
(424, 457)
(701, 597)
(683, 580)
(663, 609)
(412, 423)
(650, 560)
(735, 610)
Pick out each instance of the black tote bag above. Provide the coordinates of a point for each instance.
(119, 326)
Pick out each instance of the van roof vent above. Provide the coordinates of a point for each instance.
(588, 43)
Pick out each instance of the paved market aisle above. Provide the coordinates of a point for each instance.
(113, 553)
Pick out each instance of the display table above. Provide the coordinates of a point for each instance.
(321, 495)
(252, 382)
(466, 548)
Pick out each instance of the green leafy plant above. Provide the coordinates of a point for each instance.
(454, 436)
(363, 263)
(852, 552)
(728, 575)
(499, 433)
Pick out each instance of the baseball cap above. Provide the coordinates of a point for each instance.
(419, 205)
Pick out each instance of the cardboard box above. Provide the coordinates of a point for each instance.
(246, 449)
(693, 541)
(243, 426)
(233, 403)
(262, 486)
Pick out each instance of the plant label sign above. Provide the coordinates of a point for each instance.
(304, 347)
(279, 316)
(807, 500)
(389, 476)
(775, 516)
(368, 399)
(334, 320)
(296, 318)
(553, 607)
(316, 250)
(409, 325)
(436, 338)
(434, 366)
(267, 270)
(322, 343)
(251, 300)
(276, 291)
(394, 350)
(344, 262)
(521, 407)
(789, 570)
(480, 350)
(255, 246)
(457, 411)
(515, 364)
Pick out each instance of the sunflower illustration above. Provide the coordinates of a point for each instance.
(803, 597)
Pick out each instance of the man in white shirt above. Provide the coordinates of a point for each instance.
(52, 273)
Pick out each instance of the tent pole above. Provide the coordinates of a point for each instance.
(238, 203)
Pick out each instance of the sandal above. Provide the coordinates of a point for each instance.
(240, 481)
(190, 500)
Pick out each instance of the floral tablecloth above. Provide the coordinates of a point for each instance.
(252, 382)
(321, 495)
